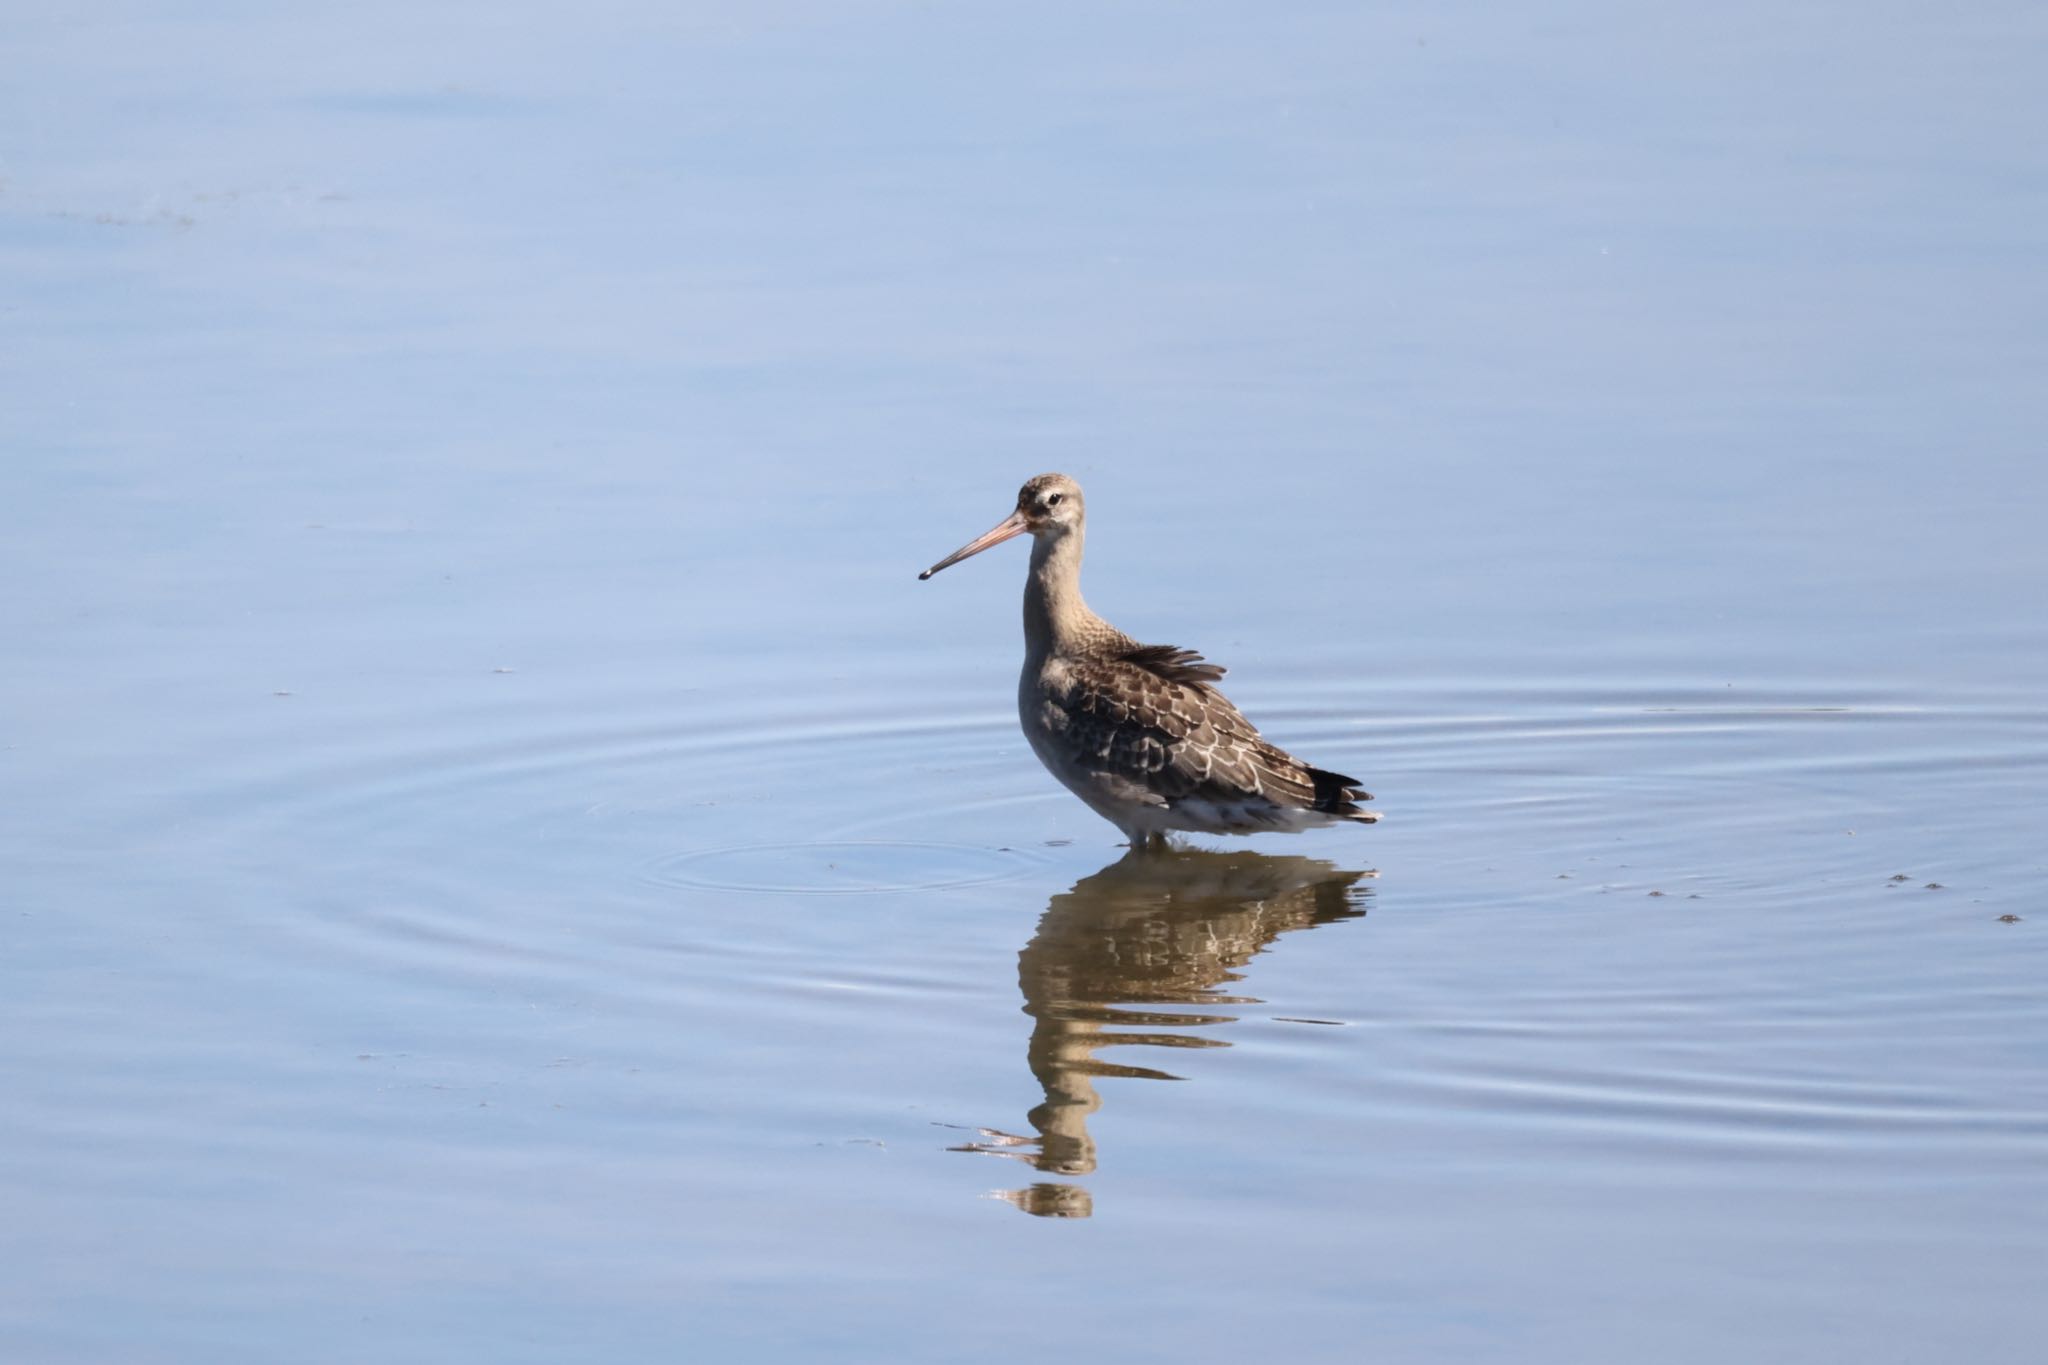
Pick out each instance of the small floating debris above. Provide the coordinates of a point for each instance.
(2008, 919)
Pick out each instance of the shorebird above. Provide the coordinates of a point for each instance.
(1139, 732)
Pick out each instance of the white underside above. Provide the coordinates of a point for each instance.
(1211, 817)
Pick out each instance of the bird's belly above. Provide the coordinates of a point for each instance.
(1045, 730)
(1121, 799)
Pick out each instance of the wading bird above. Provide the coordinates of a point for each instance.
(1140, 732)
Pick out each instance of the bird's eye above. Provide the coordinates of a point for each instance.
(1053, 501)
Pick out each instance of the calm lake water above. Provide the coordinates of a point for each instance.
(505, 863)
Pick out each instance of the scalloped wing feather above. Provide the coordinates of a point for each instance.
(1152, 716)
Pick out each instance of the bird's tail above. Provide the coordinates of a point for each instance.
(1339, 795)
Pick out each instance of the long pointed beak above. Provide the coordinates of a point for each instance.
(1012, 525)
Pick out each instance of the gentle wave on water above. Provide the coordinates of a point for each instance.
(1760, 793)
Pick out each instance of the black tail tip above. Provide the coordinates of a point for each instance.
(1334, 791)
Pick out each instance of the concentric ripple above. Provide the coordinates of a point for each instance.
(841, 868)
(528, 845)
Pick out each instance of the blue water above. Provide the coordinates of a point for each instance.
(504, 862)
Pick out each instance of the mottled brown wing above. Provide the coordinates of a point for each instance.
(1152, 716)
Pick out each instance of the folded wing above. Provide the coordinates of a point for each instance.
(1152, 716)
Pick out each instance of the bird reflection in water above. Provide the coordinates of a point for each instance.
(1165, 928)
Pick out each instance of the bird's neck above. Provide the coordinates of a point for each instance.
(1056, 620)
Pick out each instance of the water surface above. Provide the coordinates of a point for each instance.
(505, 862)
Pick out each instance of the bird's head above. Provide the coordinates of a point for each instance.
(1048, 506)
